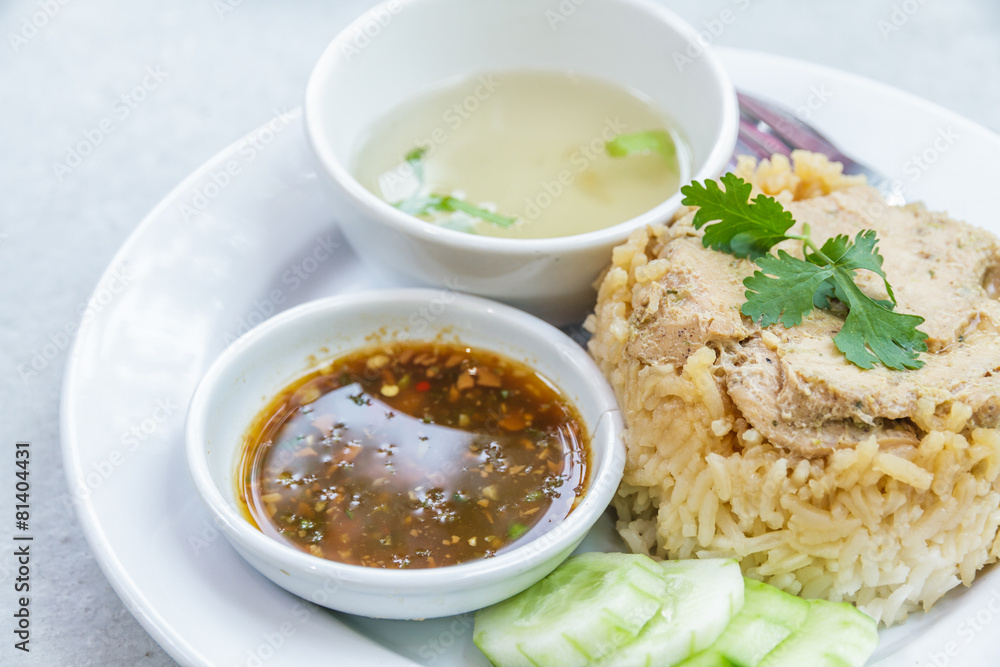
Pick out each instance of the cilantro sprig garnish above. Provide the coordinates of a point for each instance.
(425, 204)
(785, 289)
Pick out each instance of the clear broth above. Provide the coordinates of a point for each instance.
(528, 145)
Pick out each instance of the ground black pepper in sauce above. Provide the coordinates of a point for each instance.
(414, 455)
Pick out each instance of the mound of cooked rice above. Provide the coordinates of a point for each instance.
(891, 529)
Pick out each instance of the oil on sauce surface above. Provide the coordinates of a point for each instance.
(412, 456)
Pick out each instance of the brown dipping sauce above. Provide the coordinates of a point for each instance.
(413, 455)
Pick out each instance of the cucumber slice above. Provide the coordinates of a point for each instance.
(584, 609)
(707, 658)
(834, 634)
(702, 598)
(768, 616)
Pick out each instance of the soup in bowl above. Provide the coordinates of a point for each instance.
(434, 178)
(525, 155)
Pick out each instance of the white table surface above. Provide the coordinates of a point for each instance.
(208, 71)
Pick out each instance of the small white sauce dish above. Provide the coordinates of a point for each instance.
(258, 366)
(404, 47)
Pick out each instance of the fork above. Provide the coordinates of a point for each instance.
(767, 128)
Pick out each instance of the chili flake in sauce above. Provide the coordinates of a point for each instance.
(413, 455)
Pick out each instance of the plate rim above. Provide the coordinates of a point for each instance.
(162, 630)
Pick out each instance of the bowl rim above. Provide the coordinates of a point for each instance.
(607, 470)
(374, 206)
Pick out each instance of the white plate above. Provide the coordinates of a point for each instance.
(250, 234)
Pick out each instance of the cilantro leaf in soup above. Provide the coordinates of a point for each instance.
(448, 204)
(427, 204)
(455, 204)
(647, 141)
(416, 155)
